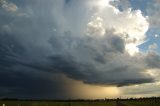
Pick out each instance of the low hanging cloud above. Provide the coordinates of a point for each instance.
(99, 46)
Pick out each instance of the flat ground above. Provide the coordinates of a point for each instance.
(149, 102)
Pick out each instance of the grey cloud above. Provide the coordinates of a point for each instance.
(121, 4)
(153, 60)
(100, 60)
(22, 81)
(153, 9)
(144, 89)
(26, 85)
(32, 47)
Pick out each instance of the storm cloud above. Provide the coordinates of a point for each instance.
(42, 39)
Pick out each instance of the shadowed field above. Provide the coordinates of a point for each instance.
(19, 103)
(115, 102)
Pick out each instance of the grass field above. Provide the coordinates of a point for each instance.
(25, 103)
(152, 102)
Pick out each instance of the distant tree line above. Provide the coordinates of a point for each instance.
(84, 100)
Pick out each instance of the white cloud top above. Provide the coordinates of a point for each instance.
(130, 25)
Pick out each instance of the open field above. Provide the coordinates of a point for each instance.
(20, 103)
(137, 102)
(152, 102)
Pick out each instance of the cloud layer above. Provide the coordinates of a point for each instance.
(93, 42)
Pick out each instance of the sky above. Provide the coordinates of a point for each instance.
(79, 49)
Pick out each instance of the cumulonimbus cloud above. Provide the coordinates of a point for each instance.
(99, 46)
